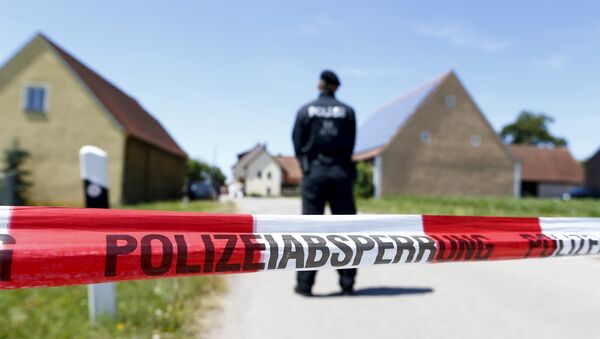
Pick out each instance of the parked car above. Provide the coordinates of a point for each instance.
(202, 190)
(581, 192)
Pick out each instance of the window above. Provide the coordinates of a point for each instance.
(259, 174)
(450, 101)
(36, 99)
(269, 175)
(425, 137)
(475, 140)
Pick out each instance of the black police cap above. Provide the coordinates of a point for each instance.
(330, 78)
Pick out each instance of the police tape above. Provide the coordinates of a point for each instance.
(53, 246)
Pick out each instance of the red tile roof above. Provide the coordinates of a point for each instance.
(555, 165)
(367, 155)
(125, 109)
(291, 169)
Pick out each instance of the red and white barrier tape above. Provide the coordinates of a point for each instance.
(50, 246)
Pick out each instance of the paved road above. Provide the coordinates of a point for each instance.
(552, 298)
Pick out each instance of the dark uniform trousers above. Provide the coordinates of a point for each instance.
(327, 184)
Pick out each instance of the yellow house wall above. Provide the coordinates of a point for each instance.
(74, 119)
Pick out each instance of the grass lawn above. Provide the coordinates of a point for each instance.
(481, 206)
(166, 307)
(192, 206)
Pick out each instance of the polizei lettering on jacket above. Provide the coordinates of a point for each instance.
(335, 112)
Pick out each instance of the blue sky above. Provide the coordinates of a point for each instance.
(222, 76)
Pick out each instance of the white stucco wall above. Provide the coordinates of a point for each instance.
(265, 184)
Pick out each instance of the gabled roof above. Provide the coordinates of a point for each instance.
(291, 169)
(381, 127)
(126, 110)
(248, 156)
(290, 166)
(553, 165)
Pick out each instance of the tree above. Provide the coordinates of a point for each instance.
(14, 158)
(531, 129)
(198, 170)
(363, 185)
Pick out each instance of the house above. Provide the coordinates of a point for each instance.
(434, 140)
(547, 172)
(292, 174)
(54, 104)
(266, 175)
(244, 159)
(592, 172)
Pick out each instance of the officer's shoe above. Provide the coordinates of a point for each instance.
(305, 292)
(348, 291)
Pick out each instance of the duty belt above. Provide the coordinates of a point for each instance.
(325, 159)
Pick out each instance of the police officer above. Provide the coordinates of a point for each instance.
(323, 136)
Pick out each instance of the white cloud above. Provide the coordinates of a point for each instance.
(368, 72)
(319, 26)
(462, 36)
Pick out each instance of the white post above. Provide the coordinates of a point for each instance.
(517, 182)
(94, 173)
(377, 176)
(102, 299)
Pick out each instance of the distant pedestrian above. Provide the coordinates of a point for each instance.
(324, 135)
(235, 190)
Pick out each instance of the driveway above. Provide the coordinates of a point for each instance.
(545, 298)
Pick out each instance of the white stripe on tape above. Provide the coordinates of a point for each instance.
(573, 236)
(570, 225)
(4, 219)
(293, 251)
(292, 226)
(375, 224)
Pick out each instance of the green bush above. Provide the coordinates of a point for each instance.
(199, 170)
(14, 158)
(363, 186)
